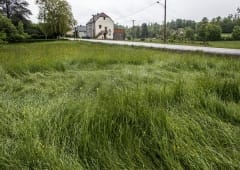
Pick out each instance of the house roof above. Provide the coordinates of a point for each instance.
(81, 28)
(96, 17)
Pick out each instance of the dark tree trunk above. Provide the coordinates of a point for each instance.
(7, 8)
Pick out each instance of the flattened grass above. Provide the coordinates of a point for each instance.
(69, 105)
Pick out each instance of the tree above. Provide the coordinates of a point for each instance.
(202, 31)
(55, 16)
(189, 34)
(138, 32)
(3, 37)
(16, 10)
(20, 27)
(237, 17)
(205, 20)
(213, 32)
(153, 30)
(8, 31)
(227, 24)
(218, 19)
(236, 33)
(181, 23)
(21, 32)
(144, 30)
(34, 30)
(209, 31)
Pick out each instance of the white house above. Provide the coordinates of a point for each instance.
(100, 26)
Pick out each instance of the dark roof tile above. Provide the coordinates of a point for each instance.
(96, 17)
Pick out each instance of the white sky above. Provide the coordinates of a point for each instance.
(123, 11)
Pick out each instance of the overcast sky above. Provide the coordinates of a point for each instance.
(123, 11)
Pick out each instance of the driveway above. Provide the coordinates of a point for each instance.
(209, 50)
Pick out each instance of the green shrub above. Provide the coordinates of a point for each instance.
(202, 32)
(8, 31)
(209, 32)
(236, 33)
(3, 36)
(214, 32)
(189, 34)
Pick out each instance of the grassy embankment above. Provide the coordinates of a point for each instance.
(69, 105)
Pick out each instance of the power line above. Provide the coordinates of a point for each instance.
(137, 12)
(160, 3)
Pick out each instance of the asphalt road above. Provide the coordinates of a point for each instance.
(209, 50)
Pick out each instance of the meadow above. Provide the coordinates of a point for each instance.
(77, 105)
(225, 44)
(215, 44)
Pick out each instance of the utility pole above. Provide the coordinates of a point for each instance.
(133, 22)
(165, 21)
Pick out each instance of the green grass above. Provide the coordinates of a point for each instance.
(225, 44)
(71, 105)
(217, 44)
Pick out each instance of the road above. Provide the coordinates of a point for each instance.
(209, 50)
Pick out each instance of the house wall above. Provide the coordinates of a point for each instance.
(89, 30)
(119, 34)
(108, 22)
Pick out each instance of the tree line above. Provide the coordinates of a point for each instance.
(55, 19)
(189, 30)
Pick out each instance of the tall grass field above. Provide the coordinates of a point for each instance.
(76, 105)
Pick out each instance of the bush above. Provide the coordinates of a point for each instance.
(230, 38)
(34, 31)
(3, 36)
(189, 34)
(236, 33)
(209, 32)
(8, 31)
(202, 32)
(128, 38)
(214, 32)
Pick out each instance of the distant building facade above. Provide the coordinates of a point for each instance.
(119, 34)
(100, 26)
(81, 31)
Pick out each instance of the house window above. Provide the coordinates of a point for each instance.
(100, 26)
(104, 18)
